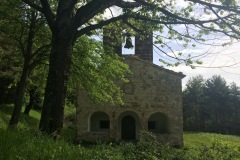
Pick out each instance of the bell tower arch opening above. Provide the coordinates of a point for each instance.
(128, 45)
(124, 43)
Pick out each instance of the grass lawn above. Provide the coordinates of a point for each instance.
(26, 121)
(192, 139)
(32, 121)
(28, 143)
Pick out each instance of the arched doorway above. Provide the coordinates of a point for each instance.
(128, 128)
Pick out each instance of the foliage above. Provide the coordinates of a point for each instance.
(29, 35)
(211, 105)
(97, 71)
(24, 31)
(149, 148)
(193, 104)
(9, 73)
(218, 150)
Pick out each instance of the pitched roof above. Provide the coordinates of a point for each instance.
(134, 57)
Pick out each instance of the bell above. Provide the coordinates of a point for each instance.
(128, 43)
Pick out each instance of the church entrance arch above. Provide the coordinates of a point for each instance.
(128, 128)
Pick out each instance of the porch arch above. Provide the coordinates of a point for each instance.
(158, 123)
(99, 122)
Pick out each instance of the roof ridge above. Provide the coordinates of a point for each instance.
(155, 65)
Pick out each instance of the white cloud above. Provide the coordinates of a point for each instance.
(112, 12)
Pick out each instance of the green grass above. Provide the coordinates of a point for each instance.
(31, 121)
(192, 139)
(26, 121)
(28, 143)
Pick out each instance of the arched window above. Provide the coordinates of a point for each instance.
(158, 123)
(99, 122)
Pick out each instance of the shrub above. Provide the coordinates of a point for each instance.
(148, 148)
(219, 150)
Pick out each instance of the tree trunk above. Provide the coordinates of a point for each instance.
(28, 108)
(25, 73)
(32, 100)
(54, 99)
(19, 95)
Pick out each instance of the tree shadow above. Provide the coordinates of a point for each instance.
(26, 121)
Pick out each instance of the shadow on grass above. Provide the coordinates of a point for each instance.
(26, 121)
(31, 122)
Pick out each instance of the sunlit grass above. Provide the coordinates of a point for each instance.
(26, 121)
(31, 121)
(199, 139)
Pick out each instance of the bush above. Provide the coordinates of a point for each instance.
(219, 150)
(148, 148)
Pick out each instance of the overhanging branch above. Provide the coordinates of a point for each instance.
(175, 18)
(222, 19)
(177, 21)
(226, 8)
(124, 4)
(98, 25)
(91, 9)
(48, 13)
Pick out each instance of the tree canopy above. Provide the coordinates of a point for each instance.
(96, 71)
(211, 105)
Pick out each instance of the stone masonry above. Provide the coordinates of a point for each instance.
(152, 102)
(151, 90)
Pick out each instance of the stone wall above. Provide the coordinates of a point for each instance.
(151, 90)
(143, 47)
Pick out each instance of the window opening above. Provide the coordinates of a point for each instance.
(151, 125)
(104, 124)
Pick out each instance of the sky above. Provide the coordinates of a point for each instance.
(220, 57)
(216, 59)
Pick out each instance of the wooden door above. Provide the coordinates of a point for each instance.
(128, 128)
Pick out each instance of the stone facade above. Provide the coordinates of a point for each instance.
(152, 102)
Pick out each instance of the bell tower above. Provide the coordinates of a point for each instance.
(144, 47)
(143, 44)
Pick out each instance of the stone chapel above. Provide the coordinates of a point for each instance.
(152, 102)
